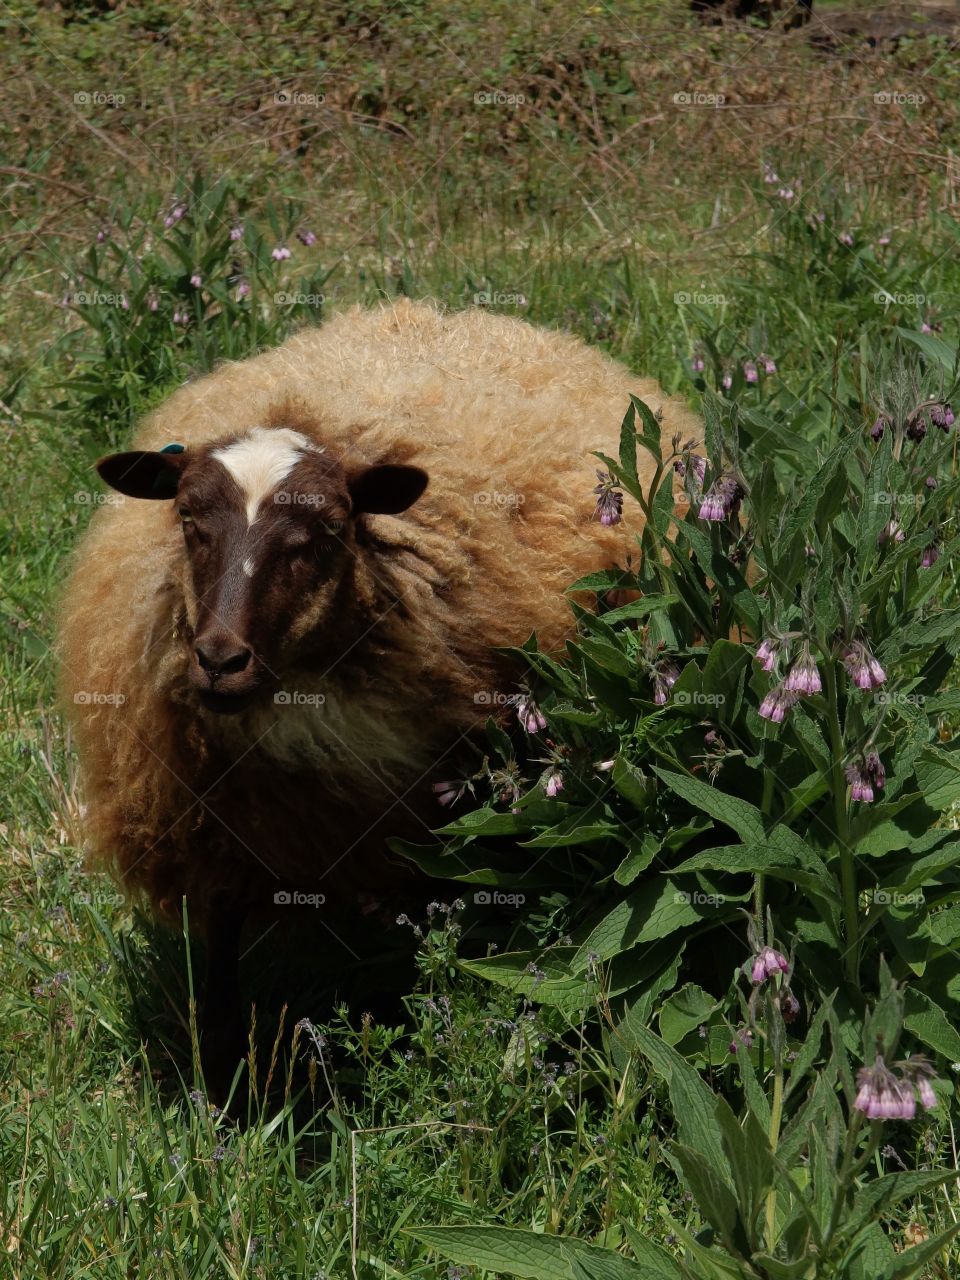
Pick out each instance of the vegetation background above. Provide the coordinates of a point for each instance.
(605, 168)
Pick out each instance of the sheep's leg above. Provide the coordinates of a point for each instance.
(223, 1036)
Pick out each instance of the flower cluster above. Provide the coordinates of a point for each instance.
(609, 509)
(866, 777)
(882, 1095)
(722, 500)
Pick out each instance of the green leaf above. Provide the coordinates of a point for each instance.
(744, 818)
(715, 1200)
(686, 1009)
(514, 1252)
(938, 775)
(628, 442)
(654, 911)
(929, 1023)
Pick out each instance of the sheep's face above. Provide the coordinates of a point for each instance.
(269, 532)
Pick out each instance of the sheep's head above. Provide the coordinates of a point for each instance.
(269, 532)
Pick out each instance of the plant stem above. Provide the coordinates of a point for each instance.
(776, 1115)
(848, 870)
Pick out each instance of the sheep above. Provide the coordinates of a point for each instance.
(284, 628)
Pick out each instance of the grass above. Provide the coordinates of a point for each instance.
(596, 205)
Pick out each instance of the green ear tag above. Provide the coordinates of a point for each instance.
(165, 482)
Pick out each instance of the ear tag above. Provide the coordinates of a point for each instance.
(165, 482)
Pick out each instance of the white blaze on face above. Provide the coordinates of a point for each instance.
(261, 460)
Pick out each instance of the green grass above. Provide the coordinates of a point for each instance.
(108, 1167)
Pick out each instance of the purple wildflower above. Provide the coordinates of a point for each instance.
(789, 1006)
(768, 362)
(766, 963)
(553, 784)
(785, 193)
(874, 770)
(530, 715)
(665, 676)
(750, 371)
(804, 675)
(862, 667)
(860, 788)
(175, 214)
(446, 792)
(727, 381)
(768, 651)
(846, 238)
(769, 173)
(306, 237)
(243, 289)
(103, 234)
(722, 500)
(280, 253)
(930, 555)
(743, 1036)
(883, 1096)
(917, 426)
(878, 428)
(884, 240)
(777, 703)
(196, 279)
(891, 532)
(236, 233)
(941, 415)
(609, 508)
(153, 302)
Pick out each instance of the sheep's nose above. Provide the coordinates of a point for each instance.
(222, 657)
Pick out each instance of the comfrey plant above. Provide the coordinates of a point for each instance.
(754, 717)
(787, 1182)
(170, 292)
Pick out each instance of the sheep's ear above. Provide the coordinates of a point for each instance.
(143, 475)
(386, 491)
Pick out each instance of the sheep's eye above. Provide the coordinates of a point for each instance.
(185, 515)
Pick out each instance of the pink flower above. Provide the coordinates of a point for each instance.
(196, 280)
(727, 381)
(767, 963)
(777, 703)
(446, 792)
(307, 238)
(750, 371)
(280, 253)
(883, 1096)
(175, 214)
(554, 784)
(862, 667)
(530, 715)
(803, 676)
(236, 233)
(767, 653)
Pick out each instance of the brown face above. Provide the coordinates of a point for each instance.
(269, 533)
